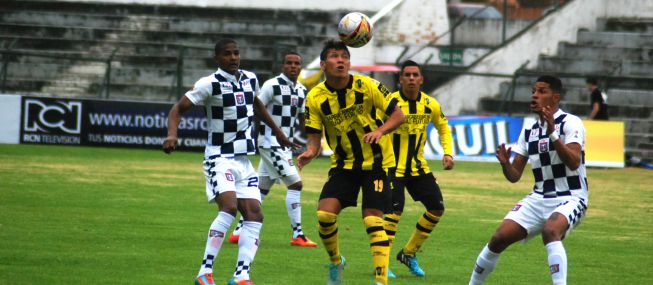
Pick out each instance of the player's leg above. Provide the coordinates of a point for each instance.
(522, 222)
(249, 205)
(562, 220)
(339, 191)
(220, 187)
(377, 200)
(425, 189)
(265, 170)
(391, 219)
(294, 209)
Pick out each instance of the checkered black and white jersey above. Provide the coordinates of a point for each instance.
(284, 100)
(552, 177)
(229, 110)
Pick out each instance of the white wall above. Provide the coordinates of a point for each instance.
(346, 5)
(464, 92)
(10, 119)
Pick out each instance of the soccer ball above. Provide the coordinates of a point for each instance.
(355, 29)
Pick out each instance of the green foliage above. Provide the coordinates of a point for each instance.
(74, 215)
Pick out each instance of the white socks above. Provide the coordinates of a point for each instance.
(247, 246)
(485, 263)
(216, 236)
(557, 262)
(294, 208)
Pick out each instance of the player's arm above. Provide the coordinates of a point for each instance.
(446, 139)
(512, 171)
(569, 151)
(263, 115)
(174, 117)
(395, 116)
(302, 122)
(313, 146)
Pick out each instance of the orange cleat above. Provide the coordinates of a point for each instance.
(233, 238)
(206, 279)
(303, 241)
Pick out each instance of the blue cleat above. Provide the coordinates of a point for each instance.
(234, 281)
(411, 262)
(391, 274)
(335, 272)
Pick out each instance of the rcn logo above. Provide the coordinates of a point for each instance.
(52, 116)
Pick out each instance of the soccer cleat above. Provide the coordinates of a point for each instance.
(233, 238)
(411, 263)
(391, 274)
(302, 241)
(234, 281)
(206, 279)
(335, 272)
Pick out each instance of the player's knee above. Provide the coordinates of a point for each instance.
(550, 234)
(325, 217)
(264, 191)
(297, 186)
(253, 214)
(437, 213)
(498, 243)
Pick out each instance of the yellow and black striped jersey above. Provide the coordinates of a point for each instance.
(409, 138)
(346, 115)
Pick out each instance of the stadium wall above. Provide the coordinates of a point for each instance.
(463, 94)
(333, 5)
(9, 118)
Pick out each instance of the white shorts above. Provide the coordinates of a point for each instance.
(277, 163)
(225, 174)
(533, 211)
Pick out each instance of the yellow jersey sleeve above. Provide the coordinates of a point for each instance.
(380, 97)
(312, 115)
(441, 123)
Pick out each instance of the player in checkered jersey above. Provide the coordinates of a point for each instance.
(284, 99)
(555, 147)
(229, 96)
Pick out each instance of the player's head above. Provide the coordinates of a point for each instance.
(227, 55)
(591, 83)
(411, 78)
(334, 59)
(292, 65)
(546, 92)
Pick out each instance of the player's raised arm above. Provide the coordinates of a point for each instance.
(174, 117)
(512, 171)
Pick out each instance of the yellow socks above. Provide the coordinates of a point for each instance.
(422, 231)
(380, 247)
(390, 225)
(329, 234)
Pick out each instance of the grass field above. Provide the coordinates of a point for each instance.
(73, 215)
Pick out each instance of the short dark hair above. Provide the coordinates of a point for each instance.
(592, 80)
(290, 52)
(554, 82)
(222, 43)
(333, 44)
(408, 63)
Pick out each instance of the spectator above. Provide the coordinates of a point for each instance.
(598, 100)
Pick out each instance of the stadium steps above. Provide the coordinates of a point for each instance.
(146, 37)
(620, 50)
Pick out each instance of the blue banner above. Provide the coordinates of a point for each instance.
(476, 137)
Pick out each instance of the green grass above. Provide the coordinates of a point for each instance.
(74, 215)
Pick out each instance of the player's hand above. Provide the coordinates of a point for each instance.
(373, 137)
(170, 144)
(447, 162)
(546, 114)
(285, 142)
(305, 158)
(503, 154)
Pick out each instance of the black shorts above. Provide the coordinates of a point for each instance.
(423, 188)
(344, 185)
